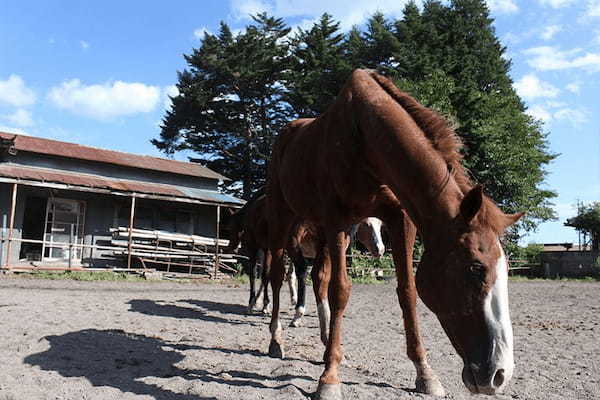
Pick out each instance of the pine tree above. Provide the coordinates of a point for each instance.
(453, 51)
(230, 104)
(318, 67)
(376, 47)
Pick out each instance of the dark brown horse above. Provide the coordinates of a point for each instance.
(411, 178)
(248, 227)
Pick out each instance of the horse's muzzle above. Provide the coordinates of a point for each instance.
(485, 379)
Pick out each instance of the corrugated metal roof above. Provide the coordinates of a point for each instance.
(72, 150)
(20, 172)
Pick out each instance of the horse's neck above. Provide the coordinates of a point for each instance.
(417, 174)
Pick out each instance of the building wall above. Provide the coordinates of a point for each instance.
(570, 263)
(102, 213)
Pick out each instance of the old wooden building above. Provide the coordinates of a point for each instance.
(61, 203)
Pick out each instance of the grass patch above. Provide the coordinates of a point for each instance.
(85, 276)
(520, 278)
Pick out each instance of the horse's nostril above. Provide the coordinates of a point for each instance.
(498, 379)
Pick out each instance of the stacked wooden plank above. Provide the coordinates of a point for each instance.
(173, 250)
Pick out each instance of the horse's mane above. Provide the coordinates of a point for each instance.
(447, 143)
(435, 127)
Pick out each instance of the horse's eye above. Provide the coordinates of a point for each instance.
(477, 271)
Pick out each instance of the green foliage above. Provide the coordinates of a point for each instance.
(587, 221)
(531, 253)
(87, 276)
(230, 106)
(317, 61)
(452, 61)
(364, 268)
(240, 89)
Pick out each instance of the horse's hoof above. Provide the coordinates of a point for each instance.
(265, 311)
(431, 386)
(296, 322)
(329, 391)
(276, 350)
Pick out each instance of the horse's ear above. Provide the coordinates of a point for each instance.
(471, 203)
(510, 219)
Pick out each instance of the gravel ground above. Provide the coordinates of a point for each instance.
(160, 340)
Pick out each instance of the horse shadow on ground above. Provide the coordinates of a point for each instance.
(119, 359)
(201, 310)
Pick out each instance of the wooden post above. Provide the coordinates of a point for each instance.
(13, 207)
(71, 248)
(129, 244)
(217, 244)
(2, 239)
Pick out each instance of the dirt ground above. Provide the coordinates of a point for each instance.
(157, 340)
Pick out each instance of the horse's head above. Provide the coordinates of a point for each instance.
(463, 280)
(369, 234)
(236, 231)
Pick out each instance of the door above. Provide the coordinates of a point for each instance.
(64, 225)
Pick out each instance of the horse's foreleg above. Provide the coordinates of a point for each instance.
(403, 234)
(321, 274)
(339, 293)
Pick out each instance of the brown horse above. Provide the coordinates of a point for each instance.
(411, 178)
(248, 227)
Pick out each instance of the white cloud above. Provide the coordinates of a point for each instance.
(551, 58)
(348, 14)
(593, 8)
(199, 32)
(556, 3)
(574, 116)
(15, 130)
(168, 92)
(243, 9)
(549, 31)
(14, 92)
(574, 87)
(502, 6)
(105, 101)
(565, 210)
(558, 111)
(84, 45)
(539, 112)
(531, 87)
(20, 118)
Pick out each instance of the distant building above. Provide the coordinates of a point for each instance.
(55, 192)
(564, 247)
(568, 260)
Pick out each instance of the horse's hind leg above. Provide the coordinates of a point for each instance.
(321, 274)
(299, 264)
(290, 277)
(279, 229)
(264, 281)
(251, 271)
(403, 233)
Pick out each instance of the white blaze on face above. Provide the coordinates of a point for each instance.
(498, 319)
(377, 248)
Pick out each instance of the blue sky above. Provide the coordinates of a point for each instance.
(99, 73)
